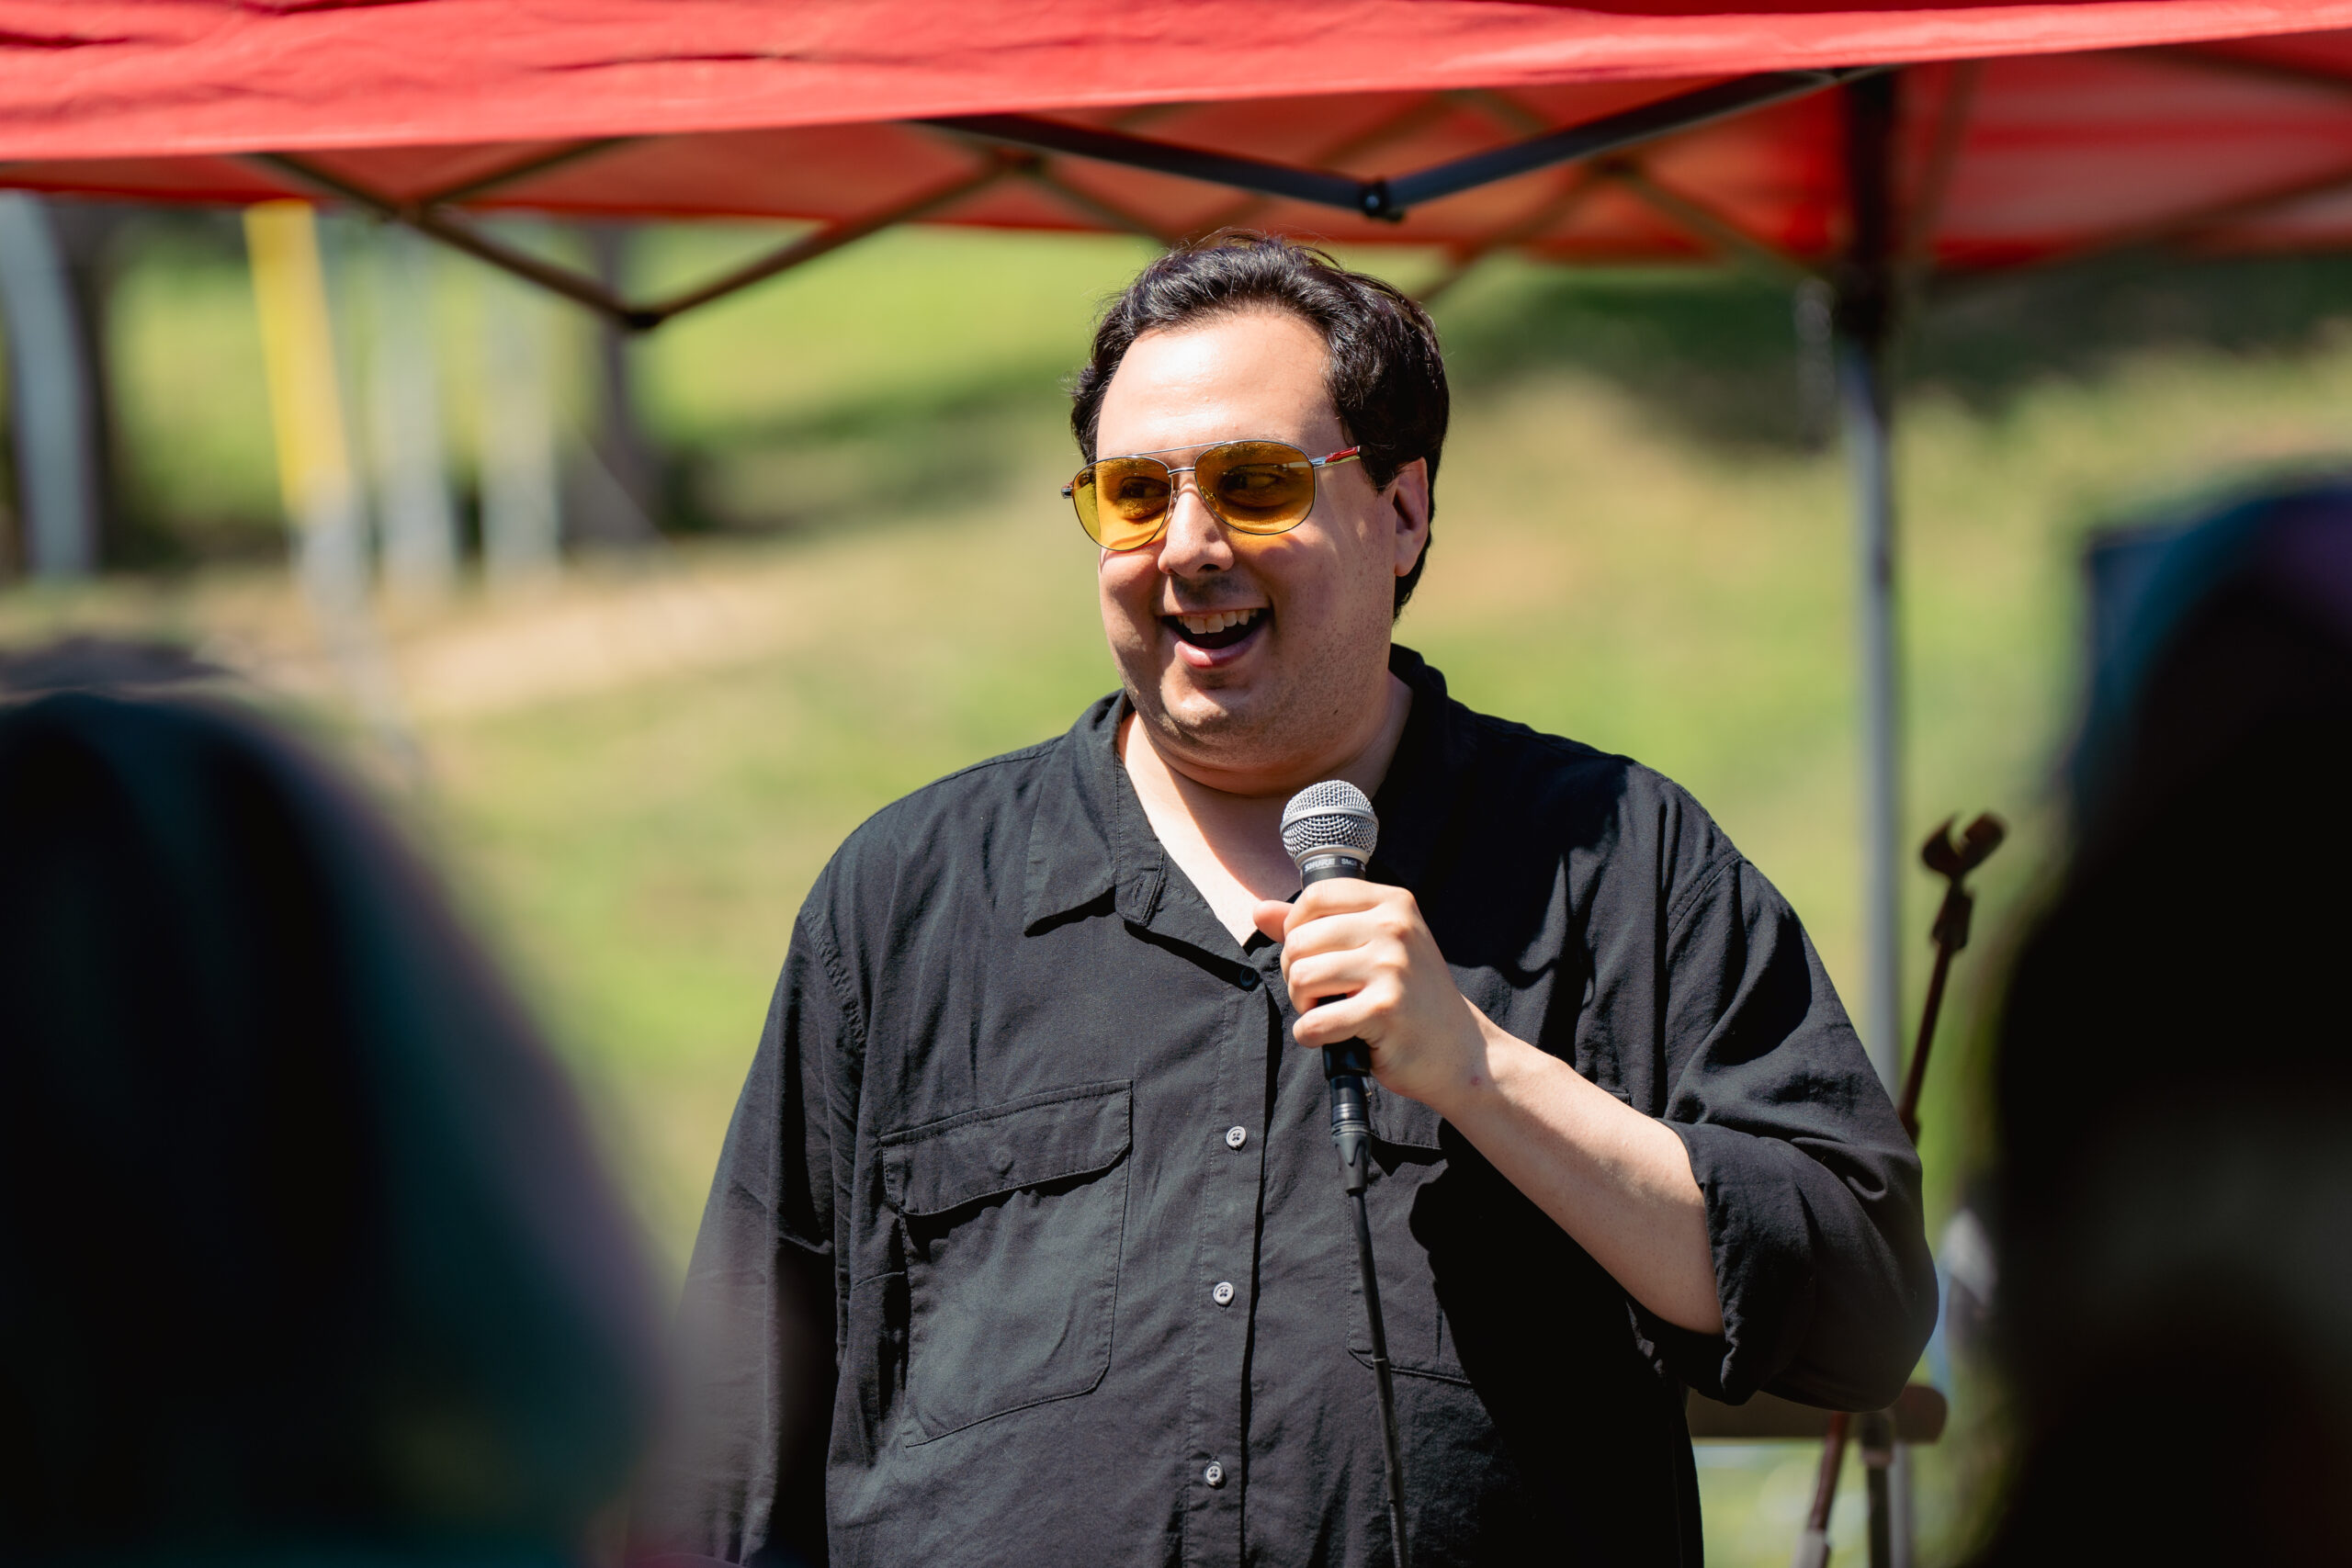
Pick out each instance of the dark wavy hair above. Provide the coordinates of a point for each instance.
(1386, 376)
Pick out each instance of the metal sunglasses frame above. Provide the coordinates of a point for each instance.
(1069, 490)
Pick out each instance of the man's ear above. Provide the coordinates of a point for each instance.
(1408, 498)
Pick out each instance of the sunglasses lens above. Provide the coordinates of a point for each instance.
(1082, 496)
(1123, 501)
(1258, 487)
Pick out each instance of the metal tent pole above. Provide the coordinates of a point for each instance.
(1861, 373)
(417, 522)
(49, 385)
(1864, 322)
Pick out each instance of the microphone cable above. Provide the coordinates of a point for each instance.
(1329, 830)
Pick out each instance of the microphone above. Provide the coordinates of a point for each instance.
(1329, 830)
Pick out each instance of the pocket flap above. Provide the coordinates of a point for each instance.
(1024, 1143)
(1407, 1123)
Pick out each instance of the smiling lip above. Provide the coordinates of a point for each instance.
(1210, 637)
(1209, 622)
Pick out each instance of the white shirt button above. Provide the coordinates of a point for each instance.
(1236, 1137)
(1214, 1474)
(1223, 1293)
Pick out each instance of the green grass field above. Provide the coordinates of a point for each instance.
(633, 780)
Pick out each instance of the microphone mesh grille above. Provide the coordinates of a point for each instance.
(1333, 812)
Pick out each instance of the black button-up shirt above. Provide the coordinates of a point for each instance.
(1028, 1120)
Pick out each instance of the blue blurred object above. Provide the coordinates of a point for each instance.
(304, 1249)
(2143, 580)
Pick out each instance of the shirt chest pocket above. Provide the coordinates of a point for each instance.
(1410, 1171)
(1015, 1216)
(1472, 1273)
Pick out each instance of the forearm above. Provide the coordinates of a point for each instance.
(1618, 1181)
(1360, 962)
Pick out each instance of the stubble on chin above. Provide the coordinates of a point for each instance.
(1212, 725)
(1262, 727)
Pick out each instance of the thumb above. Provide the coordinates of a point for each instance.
(1271, 916)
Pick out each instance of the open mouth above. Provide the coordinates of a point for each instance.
(1217, 628)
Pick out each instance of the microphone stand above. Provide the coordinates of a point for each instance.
(1952, 861)
(1345, 1066)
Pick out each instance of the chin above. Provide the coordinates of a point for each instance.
(1207, 719)
(1191, 710)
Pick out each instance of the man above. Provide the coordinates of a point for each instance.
(1031, 1123)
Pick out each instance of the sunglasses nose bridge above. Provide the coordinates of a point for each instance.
(1191, 528)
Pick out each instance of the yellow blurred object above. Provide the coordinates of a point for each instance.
(315, 472)
(298, 346)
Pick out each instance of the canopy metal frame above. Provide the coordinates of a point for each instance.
(1023, 146)
(1020, 146)
(1388, 199)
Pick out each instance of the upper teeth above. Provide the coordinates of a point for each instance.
(1215, 622)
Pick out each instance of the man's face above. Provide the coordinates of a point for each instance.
(1309, 669)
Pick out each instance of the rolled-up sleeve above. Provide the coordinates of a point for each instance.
(742, 1476)
(1811, 1188)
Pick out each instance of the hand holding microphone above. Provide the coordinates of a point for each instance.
(1363, 967)
(1360, 962)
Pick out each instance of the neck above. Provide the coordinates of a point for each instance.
(1235, 815)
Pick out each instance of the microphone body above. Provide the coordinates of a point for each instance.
(1329, 830)
(1347, 1063)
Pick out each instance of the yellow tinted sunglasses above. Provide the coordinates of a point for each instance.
(1252, 487)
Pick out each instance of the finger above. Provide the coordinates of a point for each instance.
(1351, 1017)
(1342, 894)
(1272, 917)
(1320, 978)
(1331, 933)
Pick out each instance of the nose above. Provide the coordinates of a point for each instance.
(1194, 544)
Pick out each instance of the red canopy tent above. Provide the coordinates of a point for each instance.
(1892, 149)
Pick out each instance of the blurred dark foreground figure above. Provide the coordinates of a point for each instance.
(2175, 1086)
(303, 1253)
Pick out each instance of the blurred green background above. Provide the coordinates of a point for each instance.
(867, 579)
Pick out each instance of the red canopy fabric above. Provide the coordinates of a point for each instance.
(2088, 122)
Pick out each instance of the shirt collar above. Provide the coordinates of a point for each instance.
(1071, 863)
(1090, 837)
(1411, 801)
